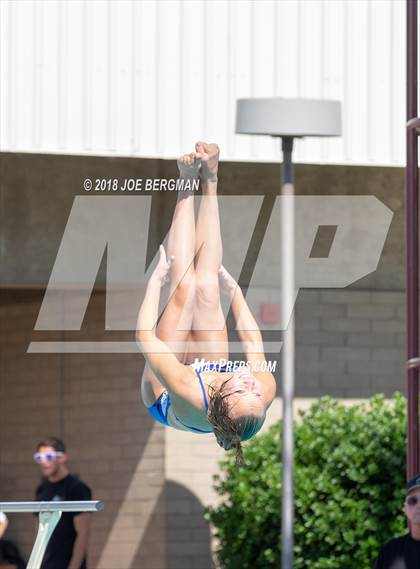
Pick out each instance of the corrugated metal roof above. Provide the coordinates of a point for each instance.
(150, 77)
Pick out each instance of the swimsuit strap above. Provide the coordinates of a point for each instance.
(203, 389)
(213, 367)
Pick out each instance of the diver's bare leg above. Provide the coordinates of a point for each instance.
(208, 322)
(175, 324)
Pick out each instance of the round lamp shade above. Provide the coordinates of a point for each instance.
(288, 117)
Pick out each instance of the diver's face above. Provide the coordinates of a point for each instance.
(243, 393)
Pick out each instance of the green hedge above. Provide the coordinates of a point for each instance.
(349, 489)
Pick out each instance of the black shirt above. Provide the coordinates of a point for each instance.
(399, 553)
(60, 546)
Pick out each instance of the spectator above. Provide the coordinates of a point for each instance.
(404, 552)
(68, 545)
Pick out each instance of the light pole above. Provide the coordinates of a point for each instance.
(288, 119)
(412, 242)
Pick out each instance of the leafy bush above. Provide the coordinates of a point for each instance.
(349, 489)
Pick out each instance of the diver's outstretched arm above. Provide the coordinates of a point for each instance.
(249, 334)
(148, 313)
(169, 371)
(246, 325)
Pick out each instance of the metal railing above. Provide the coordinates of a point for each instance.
(49, 516)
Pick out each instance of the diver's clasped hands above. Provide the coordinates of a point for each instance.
(160, 275)
(202, 163)
(227, 283)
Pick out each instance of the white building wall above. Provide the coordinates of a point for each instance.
(149, 77)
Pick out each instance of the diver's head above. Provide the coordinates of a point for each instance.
(236, 410)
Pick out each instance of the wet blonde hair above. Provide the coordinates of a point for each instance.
(231, 432)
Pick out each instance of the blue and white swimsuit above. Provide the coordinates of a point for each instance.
(160, 409)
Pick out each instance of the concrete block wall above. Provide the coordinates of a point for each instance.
(93, 402)
(191, 462)
(156, 482)
(350, 343)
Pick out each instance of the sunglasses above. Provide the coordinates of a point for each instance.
(413, 500)
(46, 456)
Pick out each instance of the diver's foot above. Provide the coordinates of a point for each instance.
(189, 165)
(209, 160)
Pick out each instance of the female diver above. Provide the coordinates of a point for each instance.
(205, 398)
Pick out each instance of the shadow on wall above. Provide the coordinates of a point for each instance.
(187, 535)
